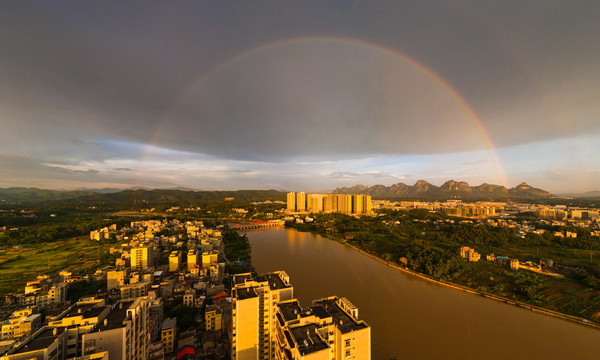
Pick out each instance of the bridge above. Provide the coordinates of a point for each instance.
(257, 225)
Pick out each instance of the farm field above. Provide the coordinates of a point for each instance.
(23, 263)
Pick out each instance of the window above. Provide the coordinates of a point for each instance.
(347, 343)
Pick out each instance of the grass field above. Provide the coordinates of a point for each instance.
(21, 264)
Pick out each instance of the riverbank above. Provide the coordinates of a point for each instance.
(466, 289)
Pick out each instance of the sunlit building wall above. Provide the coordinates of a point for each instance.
(300, 201)
(291, 202)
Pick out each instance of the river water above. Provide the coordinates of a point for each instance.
(411, 318)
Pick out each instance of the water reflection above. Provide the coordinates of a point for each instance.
(412, 318)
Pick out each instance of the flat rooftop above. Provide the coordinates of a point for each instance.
(342, 320)
(245, 293)
(320, 312)
(79, 309)
(307, 339)
(290, 310)
(241, 278)
(275, 282)
(115, 318)
(169, 323)
(42, 340)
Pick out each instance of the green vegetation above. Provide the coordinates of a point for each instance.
(185, 315)
(429, 243)
(237, 251)
(23, 263)
(237, 247)
(80, 289)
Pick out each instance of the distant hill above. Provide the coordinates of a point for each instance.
(587, 194)
(156, 196)
(167, 197)
(449, 190)
(22, 194)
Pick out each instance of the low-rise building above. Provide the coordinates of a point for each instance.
(213, 318)
(469, 254)
(169, 334)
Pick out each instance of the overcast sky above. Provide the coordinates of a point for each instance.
(299, 95)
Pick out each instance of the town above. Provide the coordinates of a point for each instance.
(169, 295)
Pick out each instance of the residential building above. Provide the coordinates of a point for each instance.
(169, 334)
(123, 333)
(213, 318)
(209, 257)
(300, 202)
(192, 259)
(469, 254)
(142, 257)
(174, 261)
(115, 279)
(291, 202)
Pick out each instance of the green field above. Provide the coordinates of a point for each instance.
(21, 264)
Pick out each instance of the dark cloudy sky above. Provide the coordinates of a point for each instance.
(299, 95)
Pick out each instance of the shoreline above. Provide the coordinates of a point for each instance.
(534, 308)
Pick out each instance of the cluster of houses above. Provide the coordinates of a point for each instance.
(158, 263)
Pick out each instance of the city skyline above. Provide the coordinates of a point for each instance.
(312, 95)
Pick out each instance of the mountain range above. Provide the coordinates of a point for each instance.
(449, 190)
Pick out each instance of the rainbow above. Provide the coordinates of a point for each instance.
(475, 120)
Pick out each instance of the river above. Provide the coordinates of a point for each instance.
(412, 318)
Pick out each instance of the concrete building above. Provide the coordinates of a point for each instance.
(115, 279)
(22, 322)
(141, 258)
(329, 329)
(253, 316)
(169, 334)
(209, 258)
(469, 254)
(213, 318)
(268, 323)
(291, 202)
(358, 204)
(174, 261)
(189, 297)
(342, 203)
(192, 259)
(315, 202)
(123, 333)
(300, 201)
(136, 290)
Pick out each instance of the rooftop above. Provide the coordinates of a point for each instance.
(169, 323)
(274, 281)
(241, 278)
(42, 340)
(341, 319)
(245, 293)
(307, 339)
(320, 312)
(290, 310)
(115, 317)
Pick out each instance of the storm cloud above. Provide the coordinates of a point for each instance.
(88, 89)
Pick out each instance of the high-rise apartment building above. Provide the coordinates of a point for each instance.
(358, 204)
(367, 206)
(315, 202)
(174, 261)
(253, 318)
(141, 258)
(300, 201)
(330, 204)
(342, 203)
(291, 202)
(269, 324)
(123, 333)
(192, 259)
